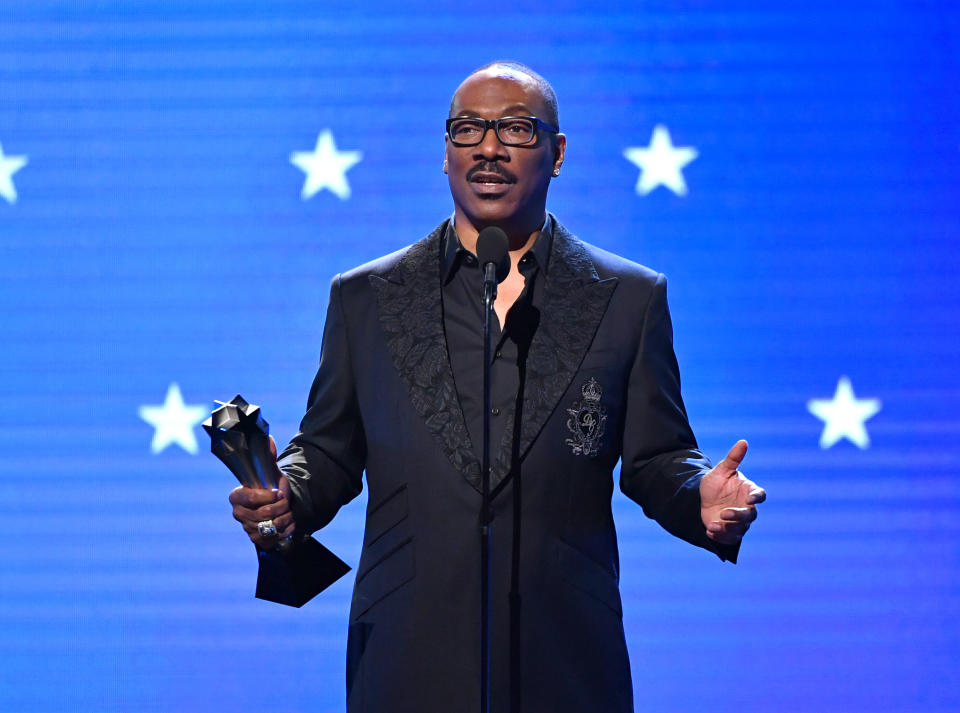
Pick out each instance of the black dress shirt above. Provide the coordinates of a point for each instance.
(462, 295)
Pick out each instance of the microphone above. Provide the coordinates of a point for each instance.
(493, 255)
(494, 258)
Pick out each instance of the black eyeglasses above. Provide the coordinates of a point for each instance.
(511, 130)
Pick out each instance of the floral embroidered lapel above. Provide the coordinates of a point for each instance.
(574, 302)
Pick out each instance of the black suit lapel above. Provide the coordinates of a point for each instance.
(411, 315)
(574, 302)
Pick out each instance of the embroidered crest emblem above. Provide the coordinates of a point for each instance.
(587, 420)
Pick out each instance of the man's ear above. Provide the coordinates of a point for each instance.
(559, 148)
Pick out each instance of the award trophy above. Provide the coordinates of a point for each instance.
(300, 568)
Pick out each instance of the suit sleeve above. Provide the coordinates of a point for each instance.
(661, 465)
(324, 462)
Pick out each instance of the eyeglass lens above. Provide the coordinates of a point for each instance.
(509, 131)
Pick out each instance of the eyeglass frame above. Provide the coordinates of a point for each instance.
(495, 125)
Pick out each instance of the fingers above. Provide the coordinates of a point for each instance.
(725, 536)
(252, 506)
(724, 539)
(741, 515)
(283, 484)
(287, 529)
(756, 495)
(284, 525)
(281, 523)
(277, 506)
(734, 458)
(732, 525)
(252, 497)
(749, 492)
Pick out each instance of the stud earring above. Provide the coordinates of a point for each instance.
(556, 171)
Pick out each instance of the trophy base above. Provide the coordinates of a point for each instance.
(296, 577)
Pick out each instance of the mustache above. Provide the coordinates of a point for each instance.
(492, 167)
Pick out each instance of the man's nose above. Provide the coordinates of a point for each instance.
(491, 147)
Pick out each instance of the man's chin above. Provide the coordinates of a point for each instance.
(493, 211)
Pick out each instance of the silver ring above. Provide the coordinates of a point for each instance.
(266, 528)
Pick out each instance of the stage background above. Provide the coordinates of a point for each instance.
(154, 231)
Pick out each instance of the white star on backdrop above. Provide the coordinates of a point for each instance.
(844, 415)
(325, 167)
(9, 165)
(174, 421)
(660, 163)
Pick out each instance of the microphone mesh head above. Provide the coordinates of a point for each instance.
(492, 247)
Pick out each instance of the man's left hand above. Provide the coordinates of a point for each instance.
(728, 500)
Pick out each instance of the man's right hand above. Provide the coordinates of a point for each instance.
(254, 505)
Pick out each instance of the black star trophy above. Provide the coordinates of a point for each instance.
(300, 567)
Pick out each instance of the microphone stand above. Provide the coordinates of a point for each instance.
(489, 297)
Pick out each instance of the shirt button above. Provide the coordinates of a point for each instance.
(494, 411)
(498, 354)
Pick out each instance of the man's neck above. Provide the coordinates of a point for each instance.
(519, 239)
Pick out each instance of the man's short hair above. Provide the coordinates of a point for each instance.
(549, 96)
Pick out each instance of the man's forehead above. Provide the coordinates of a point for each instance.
(498, 85)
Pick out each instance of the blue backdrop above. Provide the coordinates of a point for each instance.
(180, 180)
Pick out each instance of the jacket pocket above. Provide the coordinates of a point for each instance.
(388, 573)
(583, 573)
(386, 515)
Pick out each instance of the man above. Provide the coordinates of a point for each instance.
(584, 375)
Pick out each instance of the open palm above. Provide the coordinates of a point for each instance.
(728, 499)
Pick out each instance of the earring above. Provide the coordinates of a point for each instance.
(444, 165)
(556, 171)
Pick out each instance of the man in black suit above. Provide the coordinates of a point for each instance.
(584, 375)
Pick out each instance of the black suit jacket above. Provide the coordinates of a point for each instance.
(601, 384)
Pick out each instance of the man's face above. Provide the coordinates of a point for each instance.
(493, 184)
